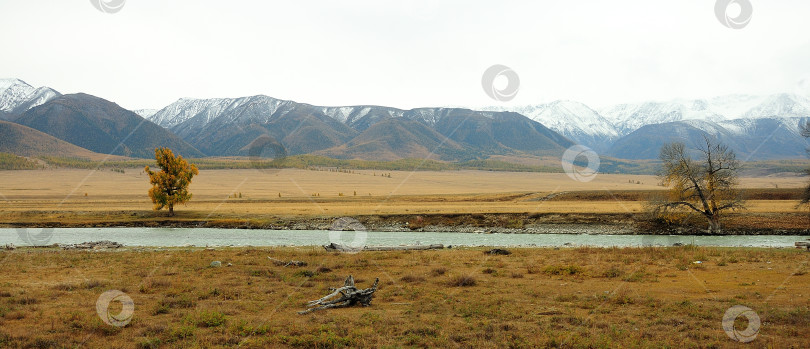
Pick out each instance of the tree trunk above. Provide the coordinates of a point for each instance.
(171, 210)
(714, 225)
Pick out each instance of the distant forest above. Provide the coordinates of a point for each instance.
(608, 165)
(14, 162)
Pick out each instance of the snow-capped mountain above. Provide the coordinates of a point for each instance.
(203, 111)
(630, 117)
(227, 126)
(732, 117)
(16, 97)
(781, 105)
(261, 109)
(145, 113)
(751, 139)
(572, 119)
(202, 121)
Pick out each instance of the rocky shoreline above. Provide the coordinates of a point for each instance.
(606, 224)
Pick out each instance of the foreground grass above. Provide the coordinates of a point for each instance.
(582, 297)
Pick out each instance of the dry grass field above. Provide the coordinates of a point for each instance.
(84, 197)
(556, 298)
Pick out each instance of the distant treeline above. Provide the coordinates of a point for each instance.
(308, 161)
(607, 165)
(775, 166)
(66, 162)
(14, 162)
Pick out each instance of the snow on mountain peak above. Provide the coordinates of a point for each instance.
(16, 96)
(209, 109)
(6, 83)
(630, 117)
(145, 113)
(572, 119)
(781, 105)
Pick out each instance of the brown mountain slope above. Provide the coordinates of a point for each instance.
(102, 126)
(25, 141)
(393, 139)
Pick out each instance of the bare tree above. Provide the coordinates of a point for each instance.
(805, 132)
(706, 186)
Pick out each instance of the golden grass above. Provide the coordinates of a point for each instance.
(69, 196)
(70, 184)
(582, 297)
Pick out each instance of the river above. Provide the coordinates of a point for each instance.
(175, 237)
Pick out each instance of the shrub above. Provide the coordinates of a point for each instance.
(637, 276)
(147, 343)
(160, 309)
(566, 298)
(180, 333)
(438, 271)
(563, 270)
(209, 319)
(27, 301)
(613, 272)
(91, 284)
(412, 278)
(462, 281)
(305, 273)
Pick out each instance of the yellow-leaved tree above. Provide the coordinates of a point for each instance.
(170, 184)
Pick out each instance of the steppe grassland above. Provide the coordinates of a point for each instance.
(307, 192)
(651, 297)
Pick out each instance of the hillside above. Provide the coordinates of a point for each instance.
(751, 139)
(25, 141)
(394, 139)
(102, 126)
(226, 126)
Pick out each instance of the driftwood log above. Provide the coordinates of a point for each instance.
(348, 296)
(343, 248)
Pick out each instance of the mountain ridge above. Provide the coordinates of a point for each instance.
(214, 125)
(228, 126)
(101, 126)
(17, 96)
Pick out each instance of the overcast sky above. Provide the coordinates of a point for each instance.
(406, 53)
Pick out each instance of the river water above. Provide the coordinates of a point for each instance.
(174, 237)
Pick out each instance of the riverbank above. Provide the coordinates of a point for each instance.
(541, 297)
(187, 237)
(502, 223)
(449, 201)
